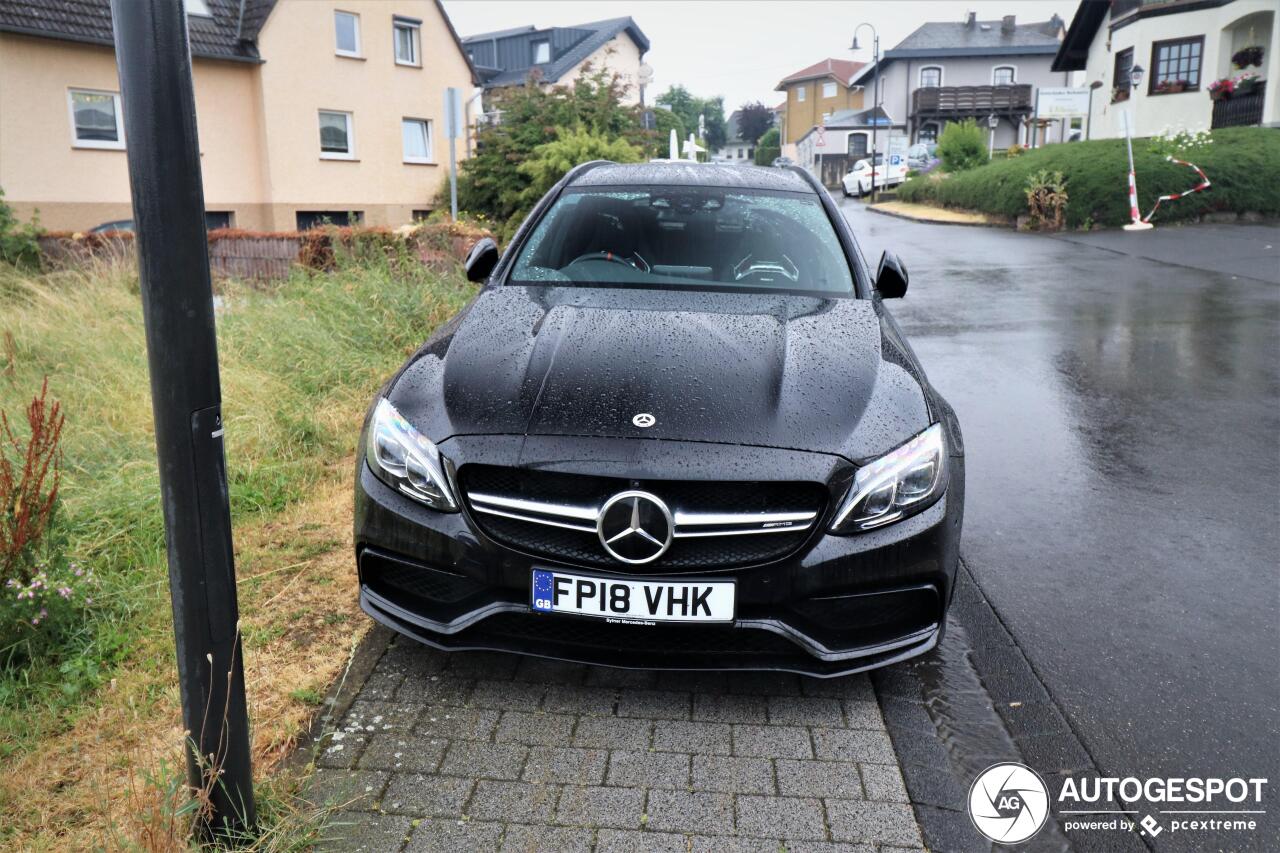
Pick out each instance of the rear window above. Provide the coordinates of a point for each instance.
(696, 238)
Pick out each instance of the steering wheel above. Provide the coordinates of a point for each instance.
(635, 261)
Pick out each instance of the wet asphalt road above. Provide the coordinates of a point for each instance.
(1120, 400)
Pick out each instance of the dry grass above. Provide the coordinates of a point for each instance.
(84, 788)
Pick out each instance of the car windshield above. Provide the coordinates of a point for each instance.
(686, 237)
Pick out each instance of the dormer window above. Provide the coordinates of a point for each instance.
(199, 8)
(541, 52)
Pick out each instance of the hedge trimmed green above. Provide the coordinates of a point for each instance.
(1243, 163)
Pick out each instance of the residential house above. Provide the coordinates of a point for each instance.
(816, 92)
(1182, 47)
(735, 148)
(829, 150)
(558, 55)
(307, 110)
(949, 71)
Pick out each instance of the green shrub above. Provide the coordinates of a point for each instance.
(552, 160)
(1243, 163)
(769, 147)
(18, 244)
(1046, 199)
(962, 146)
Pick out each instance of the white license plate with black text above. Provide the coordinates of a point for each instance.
(633, 600)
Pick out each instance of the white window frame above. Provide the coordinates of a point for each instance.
(920, 78)
(1012, 68)
(830, 84)
(415, 32)
(198, 8)
(537, 44)
(430, 159)
(337, 49)
(800, 93)
(351, 136)
(76, 141)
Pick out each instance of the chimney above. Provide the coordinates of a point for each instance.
(970, 19)
(1007, 25)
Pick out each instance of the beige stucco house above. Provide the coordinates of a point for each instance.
(306, 109)
(558, 55)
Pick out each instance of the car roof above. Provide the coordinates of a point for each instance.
(685, 173)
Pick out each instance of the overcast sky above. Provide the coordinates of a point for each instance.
(742, 49)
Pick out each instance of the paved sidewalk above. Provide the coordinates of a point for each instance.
(485, 752)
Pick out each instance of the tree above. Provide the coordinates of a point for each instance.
(768, 147)
(753, 120)
(962, 145)
(552, 160)
(689, 107)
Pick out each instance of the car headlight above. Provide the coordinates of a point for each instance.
(898, 484)
(406, 460)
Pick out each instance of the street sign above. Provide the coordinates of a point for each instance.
(453, 118)
(1061, 102)
(821, 141)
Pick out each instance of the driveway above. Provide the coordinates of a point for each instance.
(1120, 398)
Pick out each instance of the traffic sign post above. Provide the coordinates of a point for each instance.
(154, 64)
(453, 118)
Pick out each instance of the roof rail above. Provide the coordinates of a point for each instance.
(583, 168)
(808, 177)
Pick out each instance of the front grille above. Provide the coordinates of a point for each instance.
(718, 524)
(598, 636)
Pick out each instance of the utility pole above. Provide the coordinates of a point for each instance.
(153, 60)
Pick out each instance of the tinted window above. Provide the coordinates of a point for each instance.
(686, 237)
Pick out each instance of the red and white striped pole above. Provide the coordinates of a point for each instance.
(1137, 224)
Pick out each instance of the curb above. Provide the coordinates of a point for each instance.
(896, 215)
(341, 694)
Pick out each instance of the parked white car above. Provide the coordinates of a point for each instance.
(858, 181)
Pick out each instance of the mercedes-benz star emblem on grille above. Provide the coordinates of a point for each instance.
(635, 527)
(644, 420)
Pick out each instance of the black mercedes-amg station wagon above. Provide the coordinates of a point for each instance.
(676, 429)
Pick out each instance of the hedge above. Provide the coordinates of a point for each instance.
(1242, 163)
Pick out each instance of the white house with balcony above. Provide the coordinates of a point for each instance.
(952, 70)
(1159, 60)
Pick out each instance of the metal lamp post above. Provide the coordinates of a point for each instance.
(1136, 224)
(875, 95)
(993, 121)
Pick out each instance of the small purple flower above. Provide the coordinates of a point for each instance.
(88, 601)
(65, 592)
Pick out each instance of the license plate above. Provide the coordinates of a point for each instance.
(627, 600)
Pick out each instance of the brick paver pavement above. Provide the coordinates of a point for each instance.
(480, 751)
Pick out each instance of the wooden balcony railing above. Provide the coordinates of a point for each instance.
(971, 100)
(1240, 110)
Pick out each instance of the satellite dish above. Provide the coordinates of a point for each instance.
(646, 74)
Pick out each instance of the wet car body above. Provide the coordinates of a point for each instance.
(745, 415)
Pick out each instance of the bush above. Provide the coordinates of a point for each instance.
(1046, 199)
(962, 146)
(552, 160)
(769, 147)
(1243, 163)
(18, 244)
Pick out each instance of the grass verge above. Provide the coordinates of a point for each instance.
(1242, 163)
(300, 363)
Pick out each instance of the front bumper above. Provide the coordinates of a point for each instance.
(841, 604)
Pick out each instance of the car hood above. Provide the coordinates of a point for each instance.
(772, 370)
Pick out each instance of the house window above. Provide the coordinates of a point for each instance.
(421, 215)
(215, 219)
(416, 133)
(346, 34)
(95, 119)
(800, 93)
(930, 77)
(1124, 64)
(928, 133)
(199, 8)
(1175, 62)
(541, 52)
(828, 90)
(337, 140)
(405, 33)
(308, 219)
(1003, 75)
(857, 146)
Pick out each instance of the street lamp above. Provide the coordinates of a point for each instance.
(875, 95)
(1136, 224)
(993, 121)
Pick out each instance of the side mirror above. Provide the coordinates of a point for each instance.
(481, 260)
(891, 278)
